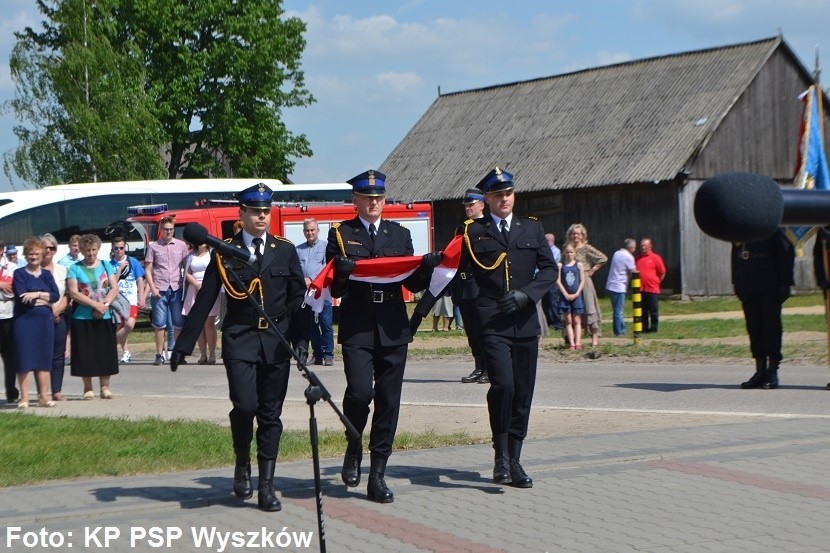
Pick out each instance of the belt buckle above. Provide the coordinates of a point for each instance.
(377, 296)
(463, 276)
(262, 323)
(744, 254)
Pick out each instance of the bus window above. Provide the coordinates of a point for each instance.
(15, 228)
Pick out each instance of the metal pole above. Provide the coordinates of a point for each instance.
(637, 305)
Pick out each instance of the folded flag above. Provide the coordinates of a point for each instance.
(386, 270)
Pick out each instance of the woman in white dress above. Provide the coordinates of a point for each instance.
(194, 272)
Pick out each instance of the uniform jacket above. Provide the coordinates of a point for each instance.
(283, 289)
(766, 265)
(362, 318)
(464, 287)
(527, 252)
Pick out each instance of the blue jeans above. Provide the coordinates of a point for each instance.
(170, 302)
(322, 333)
(617, 302)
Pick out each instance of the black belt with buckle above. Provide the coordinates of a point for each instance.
(375, 295)
(746, 254)
(465, 276)
(254, 321)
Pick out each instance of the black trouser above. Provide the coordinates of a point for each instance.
(257, 390)
(550, 305)
(7, 354)
(470, 321)
(383, 367)
(651, 306)
(762, 311)
(511, 366)
(59, 355)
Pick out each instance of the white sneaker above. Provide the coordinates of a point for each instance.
(167, 356)
(126, 357)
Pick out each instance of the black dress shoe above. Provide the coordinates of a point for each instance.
(501, 471)
(377, 489)
(755, 381)
(351, 469)
(483, 379)
(518, 476)
(267, 500)
(472, 377)
(771, 380)
(242, 481)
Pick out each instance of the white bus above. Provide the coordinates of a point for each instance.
(98, 208)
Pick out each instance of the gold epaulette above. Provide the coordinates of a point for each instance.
(284, 239)
(532, 218)
(468, 221)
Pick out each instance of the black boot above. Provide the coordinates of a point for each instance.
(351, 463)
(266, 498)
(771, 377)
(242, 475)
(377, 489)
(474, 376)
(757, 379)
(518, 476)
(501, 468)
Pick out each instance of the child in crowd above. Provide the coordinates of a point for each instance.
(571, 280)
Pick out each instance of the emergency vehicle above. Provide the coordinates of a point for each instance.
(286, 220)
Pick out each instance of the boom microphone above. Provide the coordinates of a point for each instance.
(197, 234)
(743, 207)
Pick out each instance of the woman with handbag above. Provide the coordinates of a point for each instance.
(93, 284)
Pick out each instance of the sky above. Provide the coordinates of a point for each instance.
(375, 67)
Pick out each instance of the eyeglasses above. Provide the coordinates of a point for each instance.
(118, 247)
(51, 248)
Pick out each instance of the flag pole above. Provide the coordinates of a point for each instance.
(820, 235)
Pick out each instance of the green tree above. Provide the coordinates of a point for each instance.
(220, 72)
(202, 82)
(80, 88)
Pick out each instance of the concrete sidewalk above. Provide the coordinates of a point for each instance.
(753, 487)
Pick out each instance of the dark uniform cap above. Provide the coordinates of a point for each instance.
(472, 196)
(496, 181)
(369, 183)
(258, 195)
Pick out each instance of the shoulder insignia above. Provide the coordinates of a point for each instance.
(468, 221)
(393, 222)
(532, 218)
(282, 238)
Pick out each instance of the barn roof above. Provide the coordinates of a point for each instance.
(640, 121)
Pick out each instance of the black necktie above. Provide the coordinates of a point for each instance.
(257, 242)
(503, 225)
(372, 232)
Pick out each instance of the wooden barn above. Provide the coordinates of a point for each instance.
(622, 149)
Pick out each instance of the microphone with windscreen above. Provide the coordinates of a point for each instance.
(197, 234)
(745, 207)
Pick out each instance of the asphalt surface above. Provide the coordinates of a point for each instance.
(755, 481)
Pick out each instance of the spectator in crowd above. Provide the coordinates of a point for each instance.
(762, 273)
(131, 285)
(59, 315)
(571, 281)
(163, 271)
(34, 330)
(652, 272)
(622, 265)
(442, 313)
(550, 303)
(312, 254)
(195, 266)
(592, 260)
(92, 285)
(7, 269)
(74, 254)
(11, 254)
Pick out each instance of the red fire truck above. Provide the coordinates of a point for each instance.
(286, 220)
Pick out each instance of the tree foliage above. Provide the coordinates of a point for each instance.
(200, 83)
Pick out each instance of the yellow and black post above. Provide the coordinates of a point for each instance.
(637, 305)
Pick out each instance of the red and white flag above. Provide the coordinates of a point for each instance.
(385, 270)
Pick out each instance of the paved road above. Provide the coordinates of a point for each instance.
(759, 486)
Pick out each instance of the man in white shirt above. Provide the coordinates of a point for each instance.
(622, 265)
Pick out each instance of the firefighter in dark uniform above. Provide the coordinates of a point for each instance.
(762, 273)
(465, 290)
(821, 261)
(257, 363)
(514, 268)
(374, 328)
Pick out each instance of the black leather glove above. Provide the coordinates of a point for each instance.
(176, 358)
(431, 260)
(783, 293)
(513, 301)
(343, 267)
(415, 322)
